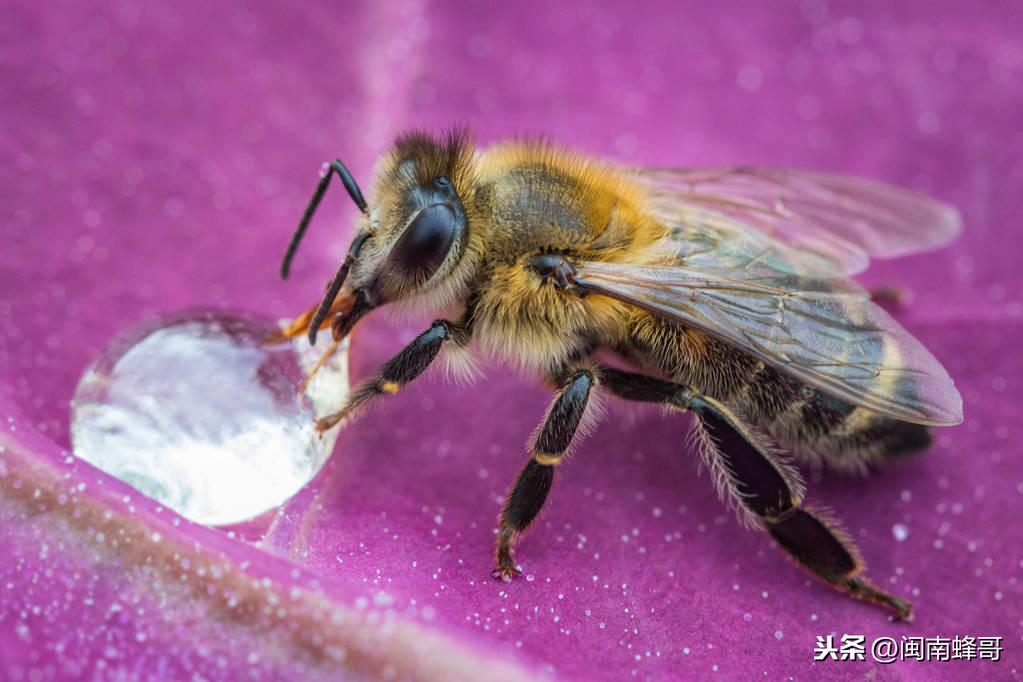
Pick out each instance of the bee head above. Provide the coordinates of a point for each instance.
(413, 235)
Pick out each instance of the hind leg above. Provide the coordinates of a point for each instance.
(766, 491)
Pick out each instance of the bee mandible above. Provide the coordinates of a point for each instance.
(727, 290)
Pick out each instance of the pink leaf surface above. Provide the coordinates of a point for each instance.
(158, 156)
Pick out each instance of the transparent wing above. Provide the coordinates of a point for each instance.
(840, 219)
(824, 332)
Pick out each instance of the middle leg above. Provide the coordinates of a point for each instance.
(552, 441)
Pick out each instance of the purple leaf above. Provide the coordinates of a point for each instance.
(158, 156)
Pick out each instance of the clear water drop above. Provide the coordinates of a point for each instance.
(900, 531)
(195, 410)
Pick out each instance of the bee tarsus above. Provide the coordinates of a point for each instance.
(394, 374)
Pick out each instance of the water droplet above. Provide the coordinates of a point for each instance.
(900, 531)
(195, 410)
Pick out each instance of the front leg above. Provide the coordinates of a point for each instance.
(408, 364)
(548, 447)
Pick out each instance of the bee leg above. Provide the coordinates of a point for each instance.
(408, 364)
(763, 487)
(770, 490)
(552, 440)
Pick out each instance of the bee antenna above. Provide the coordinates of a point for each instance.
(335, 286)
(353, 191)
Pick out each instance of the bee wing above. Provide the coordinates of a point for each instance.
(824, 332)
(838, 218)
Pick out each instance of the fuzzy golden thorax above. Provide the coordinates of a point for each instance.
(536, 198)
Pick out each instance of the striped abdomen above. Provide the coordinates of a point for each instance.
(803, 419)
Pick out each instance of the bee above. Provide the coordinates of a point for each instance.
(726, 292)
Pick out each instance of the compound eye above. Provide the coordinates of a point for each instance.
(426, 242)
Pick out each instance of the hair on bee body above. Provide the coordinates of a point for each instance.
(726, 291)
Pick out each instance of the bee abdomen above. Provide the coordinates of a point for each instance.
(800, 418)
(822, 427)
(772, 394)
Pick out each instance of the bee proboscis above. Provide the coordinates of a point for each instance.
(728, 290)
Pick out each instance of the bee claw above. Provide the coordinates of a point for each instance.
(903, 610)
(505, 573)
(328, 422)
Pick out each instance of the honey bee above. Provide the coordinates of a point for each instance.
(727, 290)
